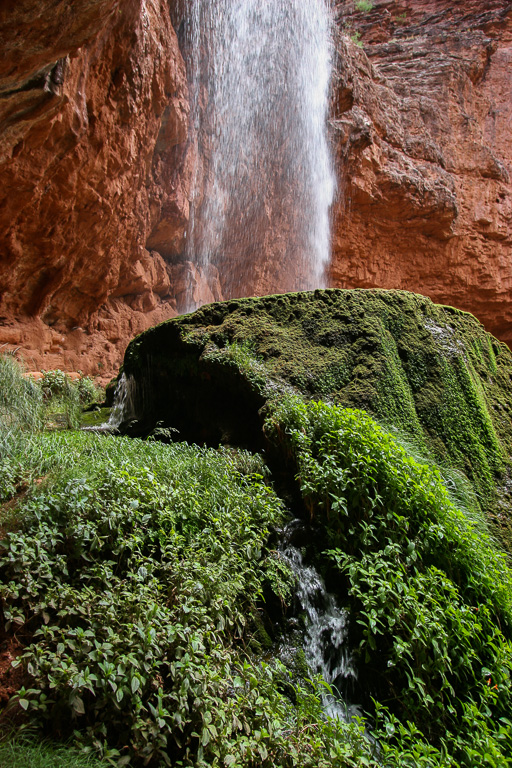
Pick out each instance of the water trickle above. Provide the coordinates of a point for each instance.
(259, 76)
(122, 408)
(325, 643)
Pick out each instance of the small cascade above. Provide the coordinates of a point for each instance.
(325, 645)
(122, 408)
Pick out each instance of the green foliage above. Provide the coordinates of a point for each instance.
(26, 753)
(365, 6)
(431, 371)
(136, 578)
(55, 384)
(88, 392)
(26, 407)
(62, 394)
(21, 414)
(430, 597)
(20, 399)
(62, 398)
(135, 575)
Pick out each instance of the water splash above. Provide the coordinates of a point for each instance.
(259, 76)
(325, 642)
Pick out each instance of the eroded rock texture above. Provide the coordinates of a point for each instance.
(422, 116)
(93, 166)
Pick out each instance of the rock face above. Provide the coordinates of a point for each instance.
(94, 119)
(422, 116)
(431, 371)
(97, 166)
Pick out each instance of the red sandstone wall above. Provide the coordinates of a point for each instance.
(92, 157)
(422, 125)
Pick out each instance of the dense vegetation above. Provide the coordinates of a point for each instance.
(433, 372)
(429, 596)
(144, 584)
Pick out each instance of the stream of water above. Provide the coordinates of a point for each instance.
(325, 642)
(122, 407)
(259, 79)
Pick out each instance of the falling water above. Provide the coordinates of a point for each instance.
(122, 407)
(325, 642)
(259, 75)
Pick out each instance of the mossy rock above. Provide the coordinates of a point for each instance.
(431, 372)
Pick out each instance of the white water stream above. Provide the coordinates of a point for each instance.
(259, 74)
(122, 407)
(325, 642)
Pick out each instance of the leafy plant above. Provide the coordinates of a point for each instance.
(136, 580)
(88, 392)
(356, 38)
(135, 575)
(364, 6)
(430, 595)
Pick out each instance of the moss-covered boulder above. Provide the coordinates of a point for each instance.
(429, 371)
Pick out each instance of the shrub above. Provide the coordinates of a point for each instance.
(61, 395)
(88, 392)
(138, 573)
(21, 414)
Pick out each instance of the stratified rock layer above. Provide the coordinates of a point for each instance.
(422, 115)
(433, 372)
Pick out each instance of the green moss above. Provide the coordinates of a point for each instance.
(431, 371)
(95, 417)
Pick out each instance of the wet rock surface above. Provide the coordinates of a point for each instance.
(428, 372)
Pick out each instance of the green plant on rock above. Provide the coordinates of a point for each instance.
(430, 595)
(364, 6)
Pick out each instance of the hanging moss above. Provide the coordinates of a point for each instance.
(432, 372)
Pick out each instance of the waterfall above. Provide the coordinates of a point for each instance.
(122, 407)
(259, 80)
(325, 645)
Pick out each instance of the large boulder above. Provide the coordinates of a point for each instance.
(429, 372)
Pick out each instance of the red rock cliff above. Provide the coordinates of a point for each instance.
(96, 166)
(422, 117)
(92, 159)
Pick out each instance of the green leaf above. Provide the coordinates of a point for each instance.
(205, 738)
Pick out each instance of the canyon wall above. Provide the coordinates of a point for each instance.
(421, 123)
(93, 165)
(97, 164)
